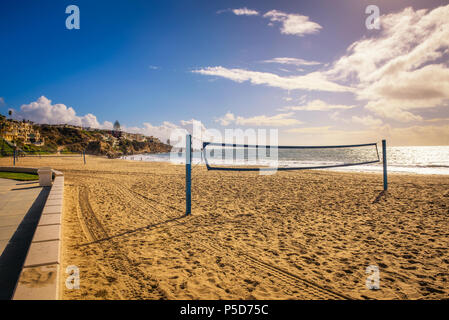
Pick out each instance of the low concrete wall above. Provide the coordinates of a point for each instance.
(39, 279)
(19, 169)
(27, 170)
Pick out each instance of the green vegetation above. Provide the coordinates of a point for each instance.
(5, 148)
(32, 149)
(19, 176)
(65, 139)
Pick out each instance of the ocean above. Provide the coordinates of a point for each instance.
(413, 159)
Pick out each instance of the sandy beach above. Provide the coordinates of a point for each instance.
(292, 235)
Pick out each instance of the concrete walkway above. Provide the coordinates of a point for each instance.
(21, 205)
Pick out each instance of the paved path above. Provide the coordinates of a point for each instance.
(21, 204)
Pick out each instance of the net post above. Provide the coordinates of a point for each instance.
(384, 162)
(188, 174)
(14, 157)
(84, 156)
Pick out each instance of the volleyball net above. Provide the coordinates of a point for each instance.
(18, 154)
(244, 157)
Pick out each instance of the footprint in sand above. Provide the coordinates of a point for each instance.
(252, 284)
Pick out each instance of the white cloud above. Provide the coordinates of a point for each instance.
(43, 111)
(402, 69)
(245, 12)
(317, 105)
(335, 116)
(367, 121)
(226, 120)
(294, 24)
(408, 136)
(240, 11)
(395, 72)
(107, 125)
(311, 81)
(313, 130)
(392, 110)
(162, 131)
(2, 101)
(292, 61)
(437, 119)
(278, 120)
(166, 129)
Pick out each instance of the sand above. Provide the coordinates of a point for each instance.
(292, 235)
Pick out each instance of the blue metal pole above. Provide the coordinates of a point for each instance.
(188, 174)
(384, 160)
(14, 157)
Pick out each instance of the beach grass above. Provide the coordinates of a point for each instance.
(20, 176)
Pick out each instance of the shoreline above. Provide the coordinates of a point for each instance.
(322, 170)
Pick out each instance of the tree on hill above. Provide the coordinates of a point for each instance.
(116, 125)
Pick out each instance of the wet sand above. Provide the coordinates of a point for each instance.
(292, 235)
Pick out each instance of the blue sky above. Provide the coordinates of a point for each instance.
(147, 62)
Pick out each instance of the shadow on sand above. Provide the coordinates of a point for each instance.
(150, 226)
(383, 193)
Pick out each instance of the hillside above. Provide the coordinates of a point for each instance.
(97, 142)
(69, 139)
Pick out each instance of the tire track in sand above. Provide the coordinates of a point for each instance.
(93, 226)
(306, 286)
(289, 278)
(143, 199)
(119, 263)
